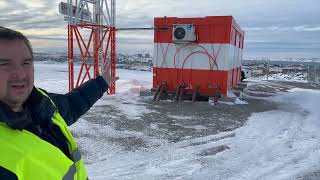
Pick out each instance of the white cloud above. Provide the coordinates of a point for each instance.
(3, 5)
(276, 28)
(34, 3)
(45, 32)
(303, 28)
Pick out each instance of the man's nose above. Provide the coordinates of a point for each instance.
(18, 72)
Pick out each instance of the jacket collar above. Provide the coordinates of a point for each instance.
(37, 109)
(16, 120)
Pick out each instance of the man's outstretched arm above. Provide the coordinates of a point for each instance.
(75, 103)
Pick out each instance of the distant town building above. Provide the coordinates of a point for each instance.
(289, 70)
(317, 80)
(147, 56)
(139, 55)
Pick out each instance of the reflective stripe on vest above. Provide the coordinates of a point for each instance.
(70, 174)
(30, 157)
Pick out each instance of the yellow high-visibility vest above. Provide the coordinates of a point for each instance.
(29, 157)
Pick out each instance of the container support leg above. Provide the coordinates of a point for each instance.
(195, 94)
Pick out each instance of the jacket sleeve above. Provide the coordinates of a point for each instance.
(6, 174)
(77, 102)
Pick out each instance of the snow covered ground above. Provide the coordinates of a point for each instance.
(297, 77)
(122, 136)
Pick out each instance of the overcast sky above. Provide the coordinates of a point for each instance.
(274, 28)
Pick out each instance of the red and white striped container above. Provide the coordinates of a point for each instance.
(212, 60)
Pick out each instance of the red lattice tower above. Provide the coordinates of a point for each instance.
(91, 33)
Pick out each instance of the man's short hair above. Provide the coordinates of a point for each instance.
(10, 34)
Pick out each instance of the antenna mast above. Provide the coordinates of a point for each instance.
(91, 31)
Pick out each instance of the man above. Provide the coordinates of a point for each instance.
(35, 142)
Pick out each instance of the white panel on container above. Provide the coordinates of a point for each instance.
(198, 60)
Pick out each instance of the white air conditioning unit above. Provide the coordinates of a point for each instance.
(183, 33)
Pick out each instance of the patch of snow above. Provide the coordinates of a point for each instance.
(238, 101)
(272, 145)
(296, 77)
(197, 127)
(230, 93)
(182, 117)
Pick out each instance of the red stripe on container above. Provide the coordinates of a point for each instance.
(211, 29)
(192, 78)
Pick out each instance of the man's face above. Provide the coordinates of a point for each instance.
(16, 72)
